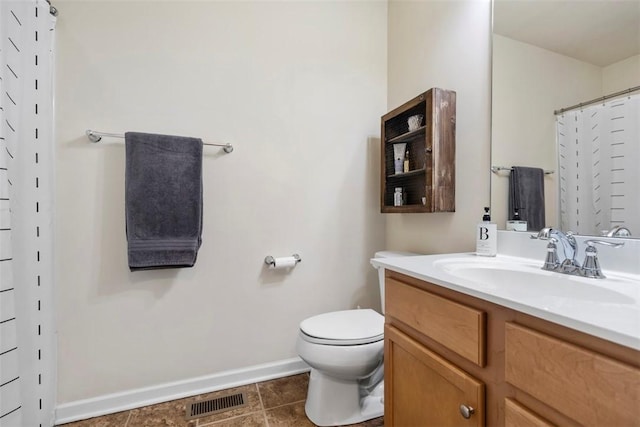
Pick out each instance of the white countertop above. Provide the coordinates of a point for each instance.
(606, 308)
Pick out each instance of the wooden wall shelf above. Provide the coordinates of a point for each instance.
(430, 184)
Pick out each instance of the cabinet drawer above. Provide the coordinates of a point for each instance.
(588, 387)
(455, 326)
(516, 415)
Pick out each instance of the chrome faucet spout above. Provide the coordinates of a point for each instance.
(568, 243)
(566, 240)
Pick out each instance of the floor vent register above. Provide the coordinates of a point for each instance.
(215, 406)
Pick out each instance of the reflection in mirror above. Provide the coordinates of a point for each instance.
(549, 57)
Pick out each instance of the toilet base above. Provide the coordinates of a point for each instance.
(332, 401)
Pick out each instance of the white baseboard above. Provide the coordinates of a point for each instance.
(116, 402)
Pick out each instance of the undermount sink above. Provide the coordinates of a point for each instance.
(519, 278)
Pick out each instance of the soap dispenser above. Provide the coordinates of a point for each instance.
(486, 236)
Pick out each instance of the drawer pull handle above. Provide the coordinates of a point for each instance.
(466, 411)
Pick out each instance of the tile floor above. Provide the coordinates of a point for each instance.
(275, 403)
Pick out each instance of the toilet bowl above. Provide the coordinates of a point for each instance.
(345, 352)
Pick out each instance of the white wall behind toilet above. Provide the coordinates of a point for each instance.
(298, 89)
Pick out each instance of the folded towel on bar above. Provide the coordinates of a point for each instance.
(163, 200)
(526, 193)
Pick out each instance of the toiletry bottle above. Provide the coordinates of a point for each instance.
(397, 197)
(398, 156)
(406, 161)
(397, 165)
(486, 236)
(516, 224)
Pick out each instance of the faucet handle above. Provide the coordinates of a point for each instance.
(591, 265)
(591, 243)
(551, 261)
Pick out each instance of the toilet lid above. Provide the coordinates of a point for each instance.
(355, 326)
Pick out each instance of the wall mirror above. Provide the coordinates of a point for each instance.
(550, 56)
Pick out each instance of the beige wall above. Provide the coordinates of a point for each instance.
(529, 83)
(298, 88)
(445, 44)
(621, 75)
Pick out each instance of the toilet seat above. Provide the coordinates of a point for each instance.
(346, 327)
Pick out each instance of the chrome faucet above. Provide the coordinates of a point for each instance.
(618, 231)
(569, 265)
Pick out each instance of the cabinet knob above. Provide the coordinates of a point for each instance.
(466, 411)
(428, 150)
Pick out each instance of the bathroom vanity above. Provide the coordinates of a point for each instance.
(463, 351)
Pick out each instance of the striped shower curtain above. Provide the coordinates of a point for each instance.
(27, 340)
(599, 161)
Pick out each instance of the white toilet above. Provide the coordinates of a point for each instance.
(345, 350)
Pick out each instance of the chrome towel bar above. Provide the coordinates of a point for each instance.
(496, 169)
(95, 136)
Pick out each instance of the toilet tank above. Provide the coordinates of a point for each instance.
(387, 254)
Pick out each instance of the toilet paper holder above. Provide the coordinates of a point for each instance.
(271, 261)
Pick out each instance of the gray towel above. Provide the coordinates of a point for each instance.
(526, 193)
(163, 200)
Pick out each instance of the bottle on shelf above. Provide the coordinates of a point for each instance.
(398, 152)
(398, 197)
(406, 161)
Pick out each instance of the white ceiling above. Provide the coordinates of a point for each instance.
(600, 32)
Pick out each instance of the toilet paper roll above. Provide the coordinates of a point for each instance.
(284, 262)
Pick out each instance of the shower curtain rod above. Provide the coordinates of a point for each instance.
(95, 136)
(52, 9)
(596, 100)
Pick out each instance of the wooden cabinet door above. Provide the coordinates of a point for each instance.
(587, 387)
(422, 389)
